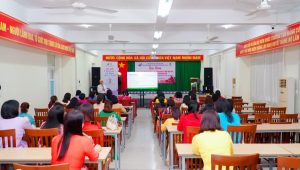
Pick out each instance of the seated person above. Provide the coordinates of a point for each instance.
(189, 119)
(55, 119)
(67, 98)
(117, 105)
(100, 102)
(226, 114)
(82, 99)
(211, 140)
(107, 111)
(24, 113)
(170, 108)
(92, 96)
(178, 97)
(186, 102)
(72, 146)
(53, 99)
(88, 112)
(170, 121)
(10, 120)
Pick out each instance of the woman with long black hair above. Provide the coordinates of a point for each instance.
(227, 116)
(73, 146)
(55, 118)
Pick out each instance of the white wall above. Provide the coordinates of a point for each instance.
(84, 62)
(292, 70)
(226, 67)
(23, 74)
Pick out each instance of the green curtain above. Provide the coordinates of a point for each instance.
(184, 71)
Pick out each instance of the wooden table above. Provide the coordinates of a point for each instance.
(40, 155)
(130, 119)
(261, 128)
(116, 134)
(171, 130)
(123, 142)
(267, 151)
(274, 117)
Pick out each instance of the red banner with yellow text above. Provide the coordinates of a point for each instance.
(17, 31)
(270, 41)
(153, 58)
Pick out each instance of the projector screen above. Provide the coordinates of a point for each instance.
(142, 80)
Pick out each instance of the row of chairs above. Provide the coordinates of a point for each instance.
(268, 118)
(263, 110)
(43, 138)
(249, 162)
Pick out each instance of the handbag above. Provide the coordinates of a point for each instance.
(112, 122)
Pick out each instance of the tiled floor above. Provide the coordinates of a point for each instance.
(142, 149)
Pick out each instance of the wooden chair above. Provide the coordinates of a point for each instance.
(8, 138)
(243, 118)
(178, 104)
(236, 98)
(41, 111)
(39, 120)
(278, 110)
(67, 110)
(288, 163)
(118, 111)
(242, 162)
(201, 100)
(238, 108)
(40, 137)
(125, 102)
(101, 120)
(243, 133)
(39, 167)
(258, 105)
(184, 110)
(262, 118)
(261, 110)
(96, 112)
(98, 138)
(191, 132)
(92, 101)
(291, 118)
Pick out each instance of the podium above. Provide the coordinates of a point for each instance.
(195, 83)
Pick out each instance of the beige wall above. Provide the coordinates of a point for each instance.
(24, 73)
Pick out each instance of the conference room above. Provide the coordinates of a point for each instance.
(149, 85)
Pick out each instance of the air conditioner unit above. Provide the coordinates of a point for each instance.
(287, 94)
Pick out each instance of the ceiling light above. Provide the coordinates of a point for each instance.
(157, 34)
(227, 26)
(155, 46)
(79, 5)
(153, 52)
(164, 7)
(85, 25)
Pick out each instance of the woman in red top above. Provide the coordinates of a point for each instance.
(72, 146)
(189, 119)
(88, 112)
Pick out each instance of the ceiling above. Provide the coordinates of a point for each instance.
(187, 29)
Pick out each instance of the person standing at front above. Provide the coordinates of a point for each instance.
(101, 88)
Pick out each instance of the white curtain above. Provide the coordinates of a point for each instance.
(266, 70)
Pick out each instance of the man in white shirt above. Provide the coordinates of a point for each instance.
(101, 88)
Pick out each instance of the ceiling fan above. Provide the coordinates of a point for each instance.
(263, 6)
(111, 37)
(209, 38)
(78, 5)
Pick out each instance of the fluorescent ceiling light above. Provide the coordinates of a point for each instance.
(157, 34)
(153, 52)
(227, 26)
(164, 7)
(155, 46)
(85, 25)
